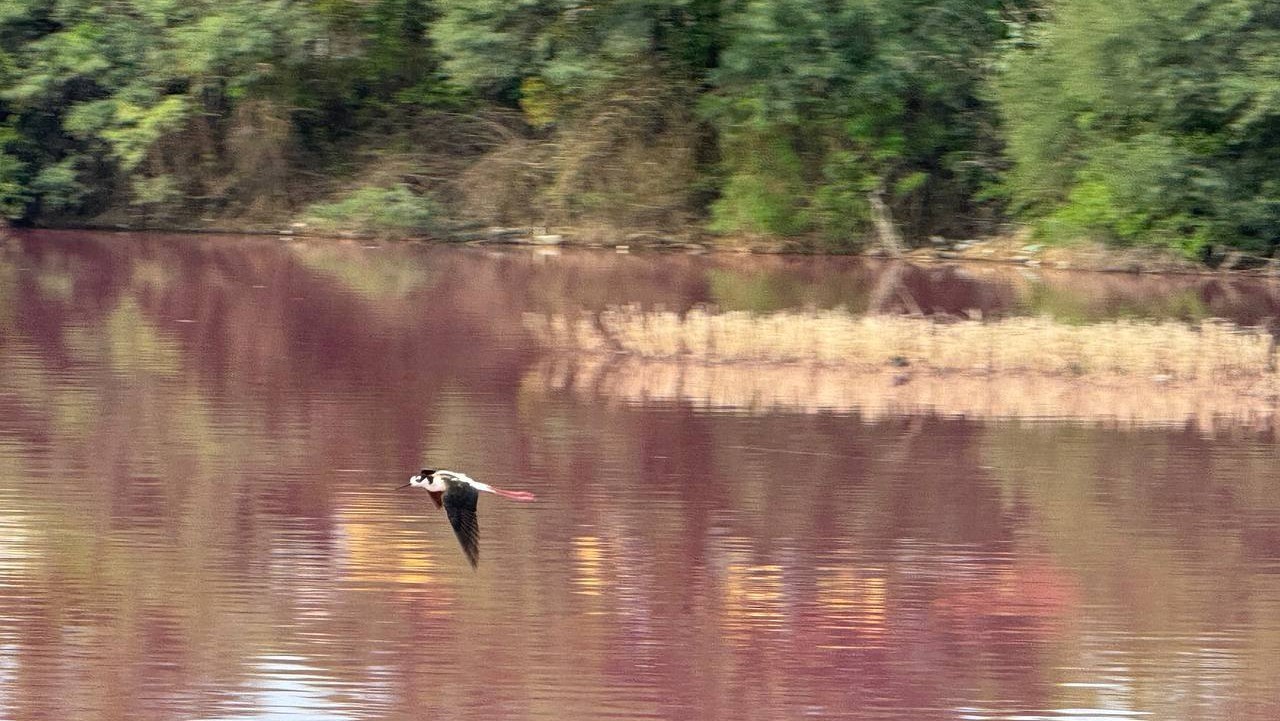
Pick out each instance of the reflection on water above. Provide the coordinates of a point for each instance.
(873, 394)
(199, 439)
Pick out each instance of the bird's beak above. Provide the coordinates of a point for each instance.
(404, 486)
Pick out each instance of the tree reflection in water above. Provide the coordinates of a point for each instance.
(198, 438)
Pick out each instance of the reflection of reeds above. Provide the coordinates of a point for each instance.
(792, 387)
(1018, 368)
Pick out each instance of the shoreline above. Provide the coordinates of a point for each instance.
(1009, 249)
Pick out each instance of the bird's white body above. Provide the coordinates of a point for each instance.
(435, 481)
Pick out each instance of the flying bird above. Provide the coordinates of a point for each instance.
(457, 493)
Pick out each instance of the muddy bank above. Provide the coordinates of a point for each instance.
(1020, 249)
(1015, 248)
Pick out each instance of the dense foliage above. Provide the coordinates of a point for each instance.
(1152, 121)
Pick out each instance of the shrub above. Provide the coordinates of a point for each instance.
(395, 211)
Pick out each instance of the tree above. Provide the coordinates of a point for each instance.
(824, 107)
(1147, 122)
(129, 98)
(610, 87)
(194, 106)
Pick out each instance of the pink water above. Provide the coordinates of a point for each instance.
(200, 438)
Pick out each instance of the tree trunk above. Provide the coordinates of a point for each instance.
(888, 234)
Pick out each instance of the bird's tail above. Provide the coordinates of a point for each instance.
(524, 496)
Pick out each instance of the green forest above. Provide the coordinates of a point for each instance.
(1145, 122)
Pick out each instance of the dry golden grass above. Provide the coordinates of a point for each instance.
(1158, 373)
(1208, 350)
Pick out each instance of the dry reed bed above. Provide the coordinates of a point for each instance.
(1210, 350)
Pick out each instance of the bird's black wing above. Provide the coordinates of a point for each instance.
(460, 504)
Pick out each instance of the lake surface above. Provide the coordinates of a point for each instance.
(200, 440)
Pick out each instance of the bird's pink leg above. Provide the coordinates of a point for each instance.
(524, 496)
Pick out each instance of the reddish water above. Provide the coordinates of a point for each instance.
(200, 438)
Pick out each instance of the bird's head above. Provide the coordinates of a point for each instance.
(422, 479)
